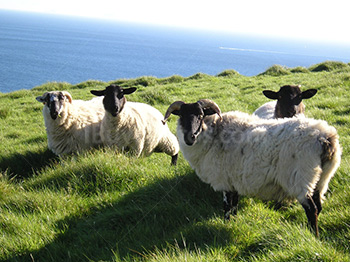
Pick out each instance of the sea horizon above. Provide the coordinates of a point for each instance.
(37, 48)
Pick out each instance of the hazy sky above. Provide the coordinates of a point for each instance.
(310, 19)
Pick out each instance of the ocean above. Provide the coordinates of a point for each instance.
(40, 48)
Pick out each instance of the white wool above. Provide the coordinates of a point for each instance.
(270, 159)
(77, 128)
(138, 128)
(267, 110)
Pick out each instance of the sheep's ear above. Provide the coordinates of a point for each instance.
(42, 99)
(130, 90)
(68, 96)
(308, 93)
(270, 94)
(98, 92)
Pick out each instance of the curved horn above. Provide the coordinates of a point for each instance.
(68, 96)
(205, 103)
(174, 106)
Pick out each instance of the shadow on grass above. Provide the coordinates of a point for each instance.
(152, 217)
(166, 213)
(21, 166)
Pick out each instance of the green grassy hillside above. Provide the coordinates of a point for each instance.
(102, 205)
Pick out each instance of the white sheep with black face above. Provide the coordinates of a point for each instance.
(241, 154)
(288, 102)
(71, 125)
(134, 127)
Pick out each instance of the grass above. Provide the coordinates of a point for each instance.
(101, 205)
(276, 70)
(329, 66)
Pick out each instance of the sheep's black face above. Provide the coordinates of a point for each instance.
(191, 120)
(114, 99)
(54, 101)
(191, 117)
(289, 100)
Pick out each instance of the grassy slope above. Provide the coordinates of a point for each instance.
(105, 206)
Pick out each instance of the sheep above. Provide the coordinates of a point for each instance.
(241, 154)
(71, 125)
(289, 102)
(135, 127)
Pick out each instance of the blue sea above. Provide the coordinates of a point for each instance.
(40, 48)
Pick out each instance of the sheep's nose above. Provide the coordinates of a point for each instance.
(54, 115)
(190, 139)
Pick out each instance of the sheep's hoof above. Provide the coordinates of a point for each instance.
(227, 216)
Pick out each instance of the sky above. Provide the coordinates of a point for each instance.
(317, 20)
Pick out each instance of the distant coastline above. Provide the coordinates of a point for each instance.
(39, 48)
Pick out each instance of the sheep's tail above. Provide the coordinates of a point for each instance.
(330, 160)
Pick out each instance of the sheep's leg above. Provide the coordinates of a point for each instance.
(230, 204)
(168, 145)
(311, 213)
(317, 200)
(174, 160)
(139, 147)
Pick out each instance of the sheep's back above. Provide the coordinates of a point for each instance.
(91, 111)
(155, 130)
(262, 158)
(77, 128)
(267, 110)
(138, 123)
